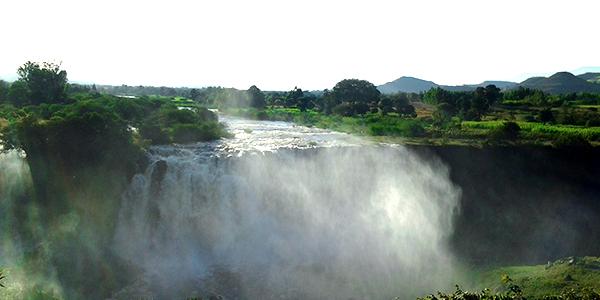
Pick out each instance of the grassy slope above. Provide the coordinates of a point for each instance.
(540, 280)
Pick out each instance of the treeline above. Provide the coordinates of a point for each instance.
(466, 105)
(82, 125)
(526, 96)
(349, 97)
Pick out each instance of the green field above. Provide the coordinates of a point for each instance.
(559, 277)
(534, 130)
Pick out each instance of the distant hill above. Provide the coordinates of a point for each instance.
(415, 85)
(471, 87)
(407, 85)
(561, 83)
(591, 77)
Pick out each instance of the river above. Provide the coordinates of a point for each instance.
(280, 211)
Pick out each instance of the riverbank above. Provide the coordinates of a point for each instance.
(420, 131)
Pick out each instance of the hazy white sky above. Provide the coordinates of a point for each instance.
(311, 43)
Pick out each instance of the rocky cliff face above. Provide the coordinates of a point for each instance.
(524, 205)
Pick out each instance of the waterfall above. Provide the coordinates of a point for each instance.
(21, 232)
(368, 222)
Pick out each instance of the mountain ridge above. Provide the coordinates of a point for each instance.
(562, 83)
(558, 83)
(409, 84)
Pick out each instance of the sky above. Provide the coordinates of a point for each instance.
(311, 44)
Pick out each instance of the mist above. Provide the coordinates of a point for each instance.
(335, 223)
(21, 232)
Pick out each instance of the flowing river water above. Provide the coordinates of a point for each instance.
(281, 211)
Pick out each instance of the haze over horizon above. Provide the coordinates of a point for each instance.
(308, 44)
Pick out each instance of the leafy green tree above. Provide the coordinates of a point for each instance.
(256, 97)
(292, 97)
(360, 94)
(538, 98)
(436, 95)
(327, 102)
(46, 82)
(442, 114)
(385, 105)
(479, 103)
(4, 86)
(194, 94)
(492, 94)
(18, 93)
(401, 105)
(306, 102)
(356, 91)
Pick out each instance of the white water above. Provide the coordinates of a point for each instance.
(287, 212)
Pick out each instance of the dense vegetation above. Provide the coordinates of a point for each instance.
(482, 115)
(568, 276)
(41, 110)
(441, 115)
(82, 148)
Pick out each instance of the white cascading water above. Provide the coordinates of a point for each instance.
(15, 179)
(335, 221)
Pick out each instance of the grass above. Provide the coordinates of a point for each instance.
(551, 279)
(534, 130)
(183, 102)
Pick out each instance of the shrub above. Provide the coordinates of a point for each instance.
(189, 133)
(565, 140)
(262, 115)
(152, 131)
(546, 116)
(344, 109)
(506, 131)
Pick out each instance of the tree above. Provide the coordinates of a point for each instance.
(546, 116)
(360, 94)
(436, 96)
(327, 102)
(386, 105)
(479, 102)
(46, 82)
(442, 114)
(492, 94)
(194, 94)
(506, 131)
(257, 98)
(291, 99)
(306, 102)
(3, 91)
(18, 93)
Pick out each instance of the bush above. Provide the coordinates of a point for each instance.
(189, 133)
(152, 131)
(506, 131)
(546, 116)
(565, 140)
(262, 115)
(343, 109)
